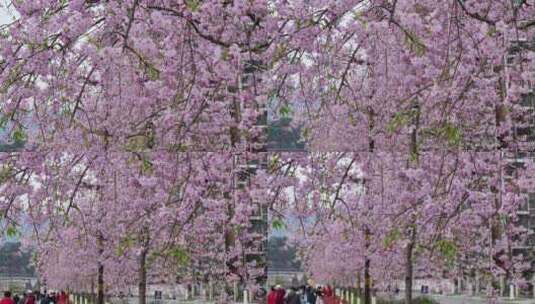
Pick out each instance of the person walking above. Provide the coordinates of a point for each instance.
(303, 294)
(293, 297)
(7, 298)
(310, 295)
(48, 298)
(281, 294)
(319, 295)
(329, 291)
(30, 298)
(63, 298)
(272, 296)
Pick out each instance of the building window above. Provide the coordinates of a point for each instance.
(524, 205)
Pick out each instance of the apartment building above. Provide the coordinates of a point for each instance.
(524, 136)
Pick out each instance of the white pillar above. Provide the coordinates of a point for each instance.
(511, 291)
(374, 300)
(352, 298)
(489, 287)
(211, 291)
(502, 286)
(477, 283)
(186, 293)
(245, 297)
(470, 287)
(358, 300)
(235, 291)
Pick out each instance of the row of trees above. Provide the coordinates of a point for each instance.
(418, 112)
(380, 219)
(414, 113)
(138, 118)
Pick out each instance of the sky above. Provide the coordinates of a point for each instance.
(6, 14)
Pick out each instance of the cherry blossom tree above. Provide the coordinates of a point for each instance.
(135, 96)
(427, 83)
(138, 116)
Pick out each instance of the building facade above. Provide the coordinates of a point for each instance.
(524, 151)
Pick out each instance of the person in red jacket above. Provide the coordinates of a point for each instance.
(272, 296)
(327, 295)
(30, 298)
(328, 291)
(280, 294)
(63, 298)
(7, 298)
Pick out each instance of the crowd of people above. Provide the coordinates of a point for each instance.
(303, 295)
(36, 297)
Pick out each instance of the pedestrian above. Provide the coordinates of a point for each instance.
(48, 298)
(319, 294)
(292, 296)
(272, 296)
(281, 294)
(310, 295)
(54, 297)
(7, 298)
(43, 299)
(16, 299)
(328, 291)
(30, 298)
(303, 295)
(63, 298)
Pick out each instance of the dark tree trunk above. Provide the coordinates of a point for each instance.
(100, 284)
(359, 289)
(100, 270)
(367, 282)
(408, 273)
(142, 286)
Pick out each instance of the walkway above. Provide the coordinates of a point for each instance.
(460, 299)
(456, 299)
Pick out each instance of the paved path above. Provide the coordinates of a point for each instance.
(458, 299)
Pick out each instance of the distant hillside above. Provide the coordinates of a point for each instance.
(14, 262)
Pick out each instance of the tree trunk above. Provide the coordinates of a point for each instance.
(100, 284)
(142, 286)
(367, 276)
(414, 157)
(92, 292)
(367, 282)
(408, 273)
(359, 290)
